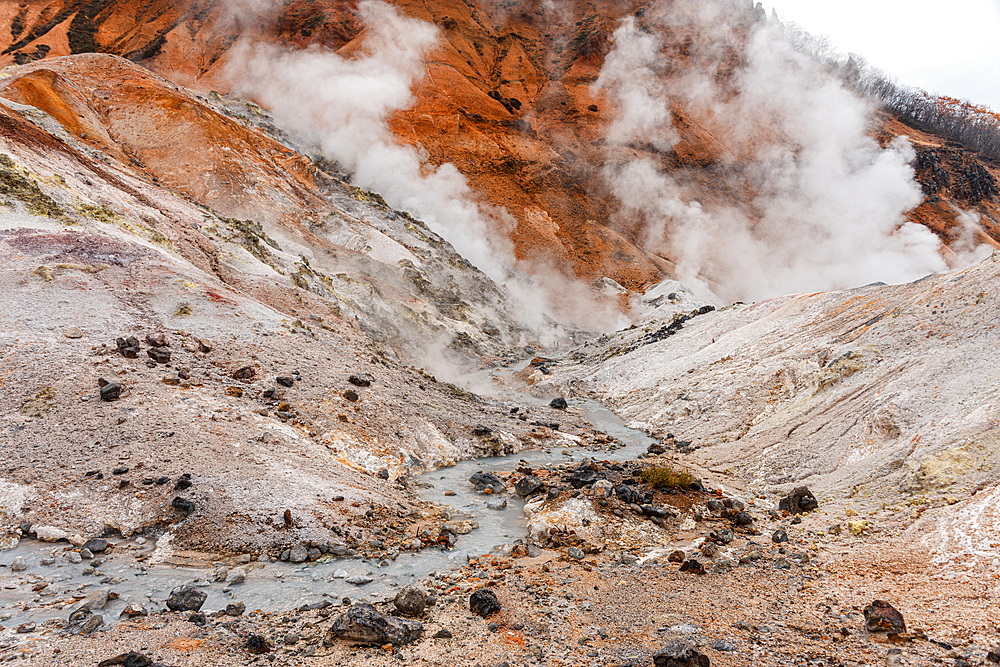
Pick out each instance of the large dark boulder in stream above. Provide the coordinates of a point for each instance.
(186, 598)
(364, 625)
(527, 485)
(487, 480)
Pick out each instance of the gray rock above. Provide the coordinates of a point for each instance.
(298, 554)
(291, 639)
(74, 557)
(498, 504)
(186, 598)
(237, 576)
(48, 560)
(86, 554)
(25, 628)
(411, 601)
(220, 574)
(359, 580)
(362, 624)
(18, 564)
(235, 609)
(779, 536)
(575, 553)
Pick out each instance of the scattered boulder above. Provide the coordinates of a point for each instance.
(584, 475)
(73, 332)
(484, 602)
(49, 534)
(779, 536)
(129, 347)
(257, 645)
(880, 616)
(676, 556)
(183, 505)
(722, 536)
(159, 355)
(183, 483)
(500, 504)
(186, 598)
(299, 553)
(96, 545)
(18, 564)
(487, 480)
(110, 391)
(25, 628)
(351, 395)
(285, 380)
(133, 610)
(360, 380)
(244, 373)
(156, 339)
(679, 653)
(799, 501)
(575, 553)
(558, 403)
(411, 601)
(364, 625)
(656, 448)
(743, 519)
(692, 566)
(481, 430)
(235, 608)
(527, 485)
(130, 659)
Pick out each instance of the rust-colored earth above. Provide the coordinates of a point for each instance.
(506, 98)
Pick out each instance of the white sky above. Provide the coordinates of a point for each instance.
(947, 48)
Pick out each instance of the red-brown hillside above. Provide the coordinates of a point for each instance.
(506, 98)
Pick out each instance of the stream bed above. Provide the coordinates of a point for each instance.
(280, 585)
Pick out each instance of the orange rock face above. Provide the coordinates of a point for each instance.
(507, 98)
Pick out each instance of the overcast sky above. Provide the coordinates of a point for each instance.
(947, 48)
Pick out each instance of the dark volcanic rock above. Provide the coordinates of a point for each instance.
(722, 535)
(627, 494)
(558, 403)
(799, 501)
(186, 598)
(411, 601)
(693, 566)
(257, 645)
(351, 395)
(582, 477)
(129, 347)
(779, 536)
(156, 339)
(481, 430)
(679, 653)
(183, 483)
(183, 505)
(244, 373)
(235, 609)
(527, 485)
(364, 625)
(159, 355)
(111, 391)
(361, 380)
(285, 380)
(484, 602)
(880, 616)
(487, 480)
(743, 519)
(130, 659)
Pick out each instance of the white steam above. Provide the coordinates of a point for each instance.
(826, 203)
(343, 105)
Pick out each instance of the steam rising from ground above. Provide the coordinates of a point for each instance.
(827, 203)
(344, 105)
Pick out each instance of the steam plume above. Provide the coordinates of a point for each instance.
(827, 203)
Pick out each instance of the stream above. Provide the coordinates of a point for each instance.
(281, 586)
